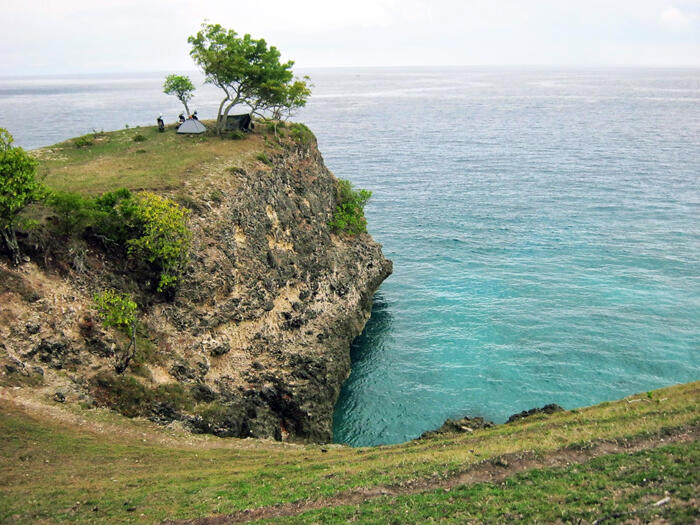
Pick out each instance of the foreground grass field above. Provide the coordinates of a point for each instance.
(65, 464)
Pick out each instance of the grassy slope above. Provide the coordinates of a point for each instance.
(97, 467)
(615, 486)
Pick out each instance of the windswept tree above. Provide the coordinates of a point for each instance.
(18, 189)
(180, 86)
(247, 71)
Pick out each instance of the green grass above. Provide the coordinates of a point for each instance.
(140, 158)
(622, 486)
(115, 464)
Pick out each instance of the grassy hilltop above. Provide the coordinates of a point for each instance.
(633, 460)
(140, 158)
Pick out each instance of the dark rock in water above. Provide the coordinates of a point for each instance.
(547, 409)
(458, 426)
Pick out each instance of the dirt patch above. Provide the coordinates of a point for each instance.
(490, 471)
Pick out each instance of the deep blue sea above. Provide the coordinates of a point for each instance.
(544, 227)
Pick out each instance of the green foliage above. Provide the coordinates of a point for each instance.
(180, 86)
(238, 134)
(301, 133)
(349, 216)
(116, 310)
(139, 138)
(18, 184)
(150, 227)
(76, 213)
(83, 142)
(247, 71)
(18, 188)
(163, 238)
(262, 157)
(216, 196)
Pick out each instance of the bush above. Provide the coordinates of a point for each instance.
(76, 213)
(148, 226)
(163, 238)
(301, 133)
(83, 142)
(262, 157)
(139, 138)
(238, 135)
(349, 216)
(119, 311)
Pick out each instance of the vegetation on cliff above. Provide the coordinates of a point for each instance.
(349, 216)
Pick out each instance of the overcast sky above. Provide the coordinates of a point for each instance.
(91, 36)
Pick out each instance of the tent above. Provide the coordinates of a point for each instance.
(191, 126)
(239, 122)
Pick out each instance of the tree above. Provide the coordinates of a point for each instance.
(181, 87)
(118, 310)
(18, 189)
(247, 71)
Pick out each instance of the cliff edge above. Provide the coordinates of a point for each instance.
(254, 343)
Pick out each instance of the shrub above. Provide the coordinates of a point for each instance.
(163, 238)
(301, 133)
(262, 157)
(83, 142)
(139, 138)
(349, 216)
(18, 189)
(76, 213)
(216, 196)
(119, 311)
(238, 135)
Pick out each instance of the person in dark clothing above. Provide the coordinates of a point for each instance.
(194, 115)
(161, 124)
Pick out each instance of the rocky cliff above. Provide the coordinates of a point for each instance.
(256, 340)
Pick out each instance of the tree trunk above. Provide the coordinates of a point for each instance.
(123, 363)
(219, 127)
(187, 110)
(8, 234)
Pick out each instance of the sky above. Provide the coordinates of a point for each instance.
(44, 37)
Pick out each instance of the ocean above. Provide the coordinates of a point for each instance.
(544, 227)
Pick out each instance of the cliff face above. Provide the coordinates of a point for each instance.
(256, 340)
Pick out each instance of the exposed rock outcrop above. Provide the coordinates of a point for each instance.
(256, 338)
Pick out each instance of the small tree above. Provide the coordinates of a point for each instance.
(119, 311)
(181, 87)
(247, 71)
(18, 189)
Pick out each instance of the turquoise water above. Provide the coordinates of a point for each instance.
(544, 227)
(545, 233)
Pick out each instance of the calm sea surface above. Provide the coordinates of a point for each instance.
(544, 227)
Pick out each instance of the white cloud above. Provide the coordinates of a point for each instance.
(676, 19)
